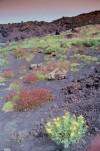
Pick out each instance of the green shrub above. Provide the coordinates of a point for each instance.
(66, 129)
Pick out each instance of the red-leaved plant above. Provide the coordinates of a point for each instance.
(30, 78)
(25, 99)
(8, 73)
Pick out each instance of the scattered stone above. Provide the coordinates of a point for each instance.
(61, 74)
(57, 74)
(82, 97)
(97, 69)
(35, 66)
(20, 136)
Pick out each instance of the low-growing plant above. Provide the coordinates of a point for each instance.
(29, 57)
(25, 99)
(32, 98)
(23, 53)
(50, 43)
(74, 66)
(2, 80)
(8, 73)
(3, 62)
(8, 106)
(86, 58)
(15, 85)
(91, 42)
(19, 52)
(30, 78)
(22, 69)
(66, 129)
(41, 75)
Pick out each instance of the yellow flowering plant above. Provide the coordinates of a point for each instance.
(66, 129)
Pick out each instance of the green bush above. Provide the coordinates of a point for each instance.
(66, 129)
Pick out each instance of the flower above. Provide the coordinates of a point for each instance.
(49, 130)
(66, 129)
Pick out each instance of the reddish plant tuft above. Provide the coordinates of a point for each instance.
(8, 73)
(25, 99)
(19, 52)
(30, 78)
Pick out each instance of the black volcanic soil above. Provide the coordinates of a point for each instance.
(17, 31)
(79, 94)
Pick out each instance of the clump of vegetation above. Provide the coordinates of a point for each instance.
(25, 99)
(8, 106)
(87, 42)
(22, 69)
(86, 58)
(2, 80)
(3, 62)
(92, 42)
(23, 53)
(8, 73)
(49, 44)
(19, 52)
(32, 98)
(31, 78)
(15, 85)
(74, 66)
(41, 75)
(66, 129)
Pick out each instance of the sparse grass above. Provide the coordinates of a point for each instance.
(74, 66)
(95, 42)
(51, 43)
(20, 53)
(86, 58)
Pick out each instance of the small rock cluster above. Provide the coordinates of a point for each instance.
(57, 74)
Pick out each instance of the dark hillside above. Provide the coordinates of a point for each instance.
(17, 31)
